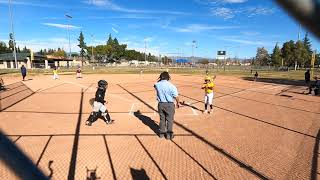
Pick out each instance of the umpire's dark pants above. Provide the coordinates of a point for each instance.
(166, 112)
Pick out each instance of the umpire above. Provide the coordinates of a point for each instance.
(166, 94)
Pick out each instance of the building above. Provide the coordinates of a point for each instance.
(7, 60)
(31, 60)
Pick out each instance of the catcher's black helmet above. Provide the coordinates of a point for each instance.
(102, 83)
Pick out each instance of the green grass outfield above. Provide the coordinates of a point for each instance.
(288, 75)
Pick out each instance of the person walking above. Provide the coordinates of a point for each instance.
(256, 76)
(307, 79)
(23, 72)
(167, 93)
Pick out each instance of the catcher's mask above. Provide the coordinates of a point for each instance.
(103, 84)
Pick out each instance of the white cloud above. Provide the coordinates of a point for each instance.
(108, 4)
(63, 26)
(255, 11)
(115, 30)
(234, 1)
(250, 33)
(25, 3)
(247, 42)
(228, 13)
(202, 27)
(148, 39)
(225, 13)
(217, 2)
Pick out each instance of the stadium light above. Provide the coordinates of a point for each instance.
(13, 36)
(193, 46)
(69, 17)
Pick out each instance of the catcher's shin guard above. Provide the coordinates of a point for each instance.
(92, 118)
(106, 117)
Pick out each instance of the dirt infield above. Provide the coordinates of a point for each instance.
(257, 130)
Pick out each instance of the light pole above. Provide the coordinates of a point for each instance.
(193, 46)
(69, 17)
(92, 57)
(13, 36)
(145, 50)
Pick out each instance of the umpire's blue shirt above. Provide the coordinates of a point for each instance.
(166, 92)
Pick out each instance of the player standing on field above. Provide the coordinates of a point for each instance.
(79, 75)
(208, 98)
(55, 73)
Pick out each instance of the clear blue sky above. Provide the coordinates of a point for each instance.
(168, 26)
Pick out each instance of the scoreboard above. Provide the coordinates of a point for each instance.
(221, 54)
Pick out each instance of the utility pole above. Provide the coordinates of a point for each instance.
(296, 63)
(313, 59)
(69, 17)
(145, 51)
(299, 32)
(92, 57)
(13, 36)
(193, 46)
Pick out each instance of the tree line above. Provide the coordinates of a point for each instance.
(8, 49)
(290, 54)
(111, 51)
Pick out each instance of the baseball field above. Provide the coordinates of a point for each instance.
(258, 130)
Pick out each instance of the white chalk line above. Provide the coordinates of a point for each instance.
(131, 109)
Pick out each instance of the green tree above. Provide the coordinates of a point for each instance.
(301, 54)
(110, 40)
(3, 47)
(262, 57)
(25, 50)
(276, 56)
(317, 61)
(82, 45)
(307, 44)
(204, 61)
(133, 55)
(60, 53)
(287, 52)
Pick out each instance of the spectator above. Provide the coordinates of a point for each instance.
(23, 72)
(1, 84)
(256, 76)
(307, 77)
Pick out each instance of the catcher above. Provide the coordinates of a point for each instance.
(99, 109)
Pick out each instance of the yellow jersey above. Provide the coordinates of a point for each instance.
(55, 71)
(208, 87)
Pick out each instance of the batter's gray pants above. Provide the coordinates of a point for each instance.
(166, 112)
